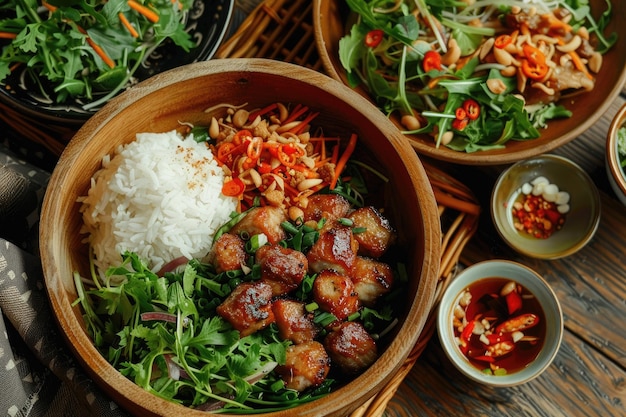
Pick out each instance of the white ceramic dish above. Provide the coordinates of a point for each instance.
(530, 280)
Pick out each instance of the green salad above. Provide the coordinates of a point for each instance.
(75, 48)
(474, 74)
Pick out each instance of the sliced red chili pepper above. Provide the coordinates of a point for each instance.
(513, 301)
(431, 61)
(472, 108)
(264, 168)
(254, 148)
(467, 331)
(497, 338)
(533, 55)
(224, 152)
(534, 71)
(290, 149)
(460, 124)
(460, 113)
(241, 135)
(272, 148)
(286, 156)
(373, 38)
(233, 188)
(502, 41)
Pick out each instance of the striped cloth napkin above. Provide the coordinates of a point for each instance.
(38, 374)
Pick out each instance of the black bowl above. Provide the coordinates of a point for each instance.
(207, 22)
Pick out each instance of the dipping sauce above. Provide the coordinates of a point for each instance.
(540, 208)
(499, 325)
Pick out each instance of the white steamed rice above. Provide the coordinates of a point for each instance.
(159, 196)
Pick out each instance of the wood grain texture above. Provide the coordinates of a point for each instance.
(581, 382)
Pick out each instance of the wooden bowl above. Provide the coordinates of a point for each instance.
(613, 157)
(182, 94)
(330, 24)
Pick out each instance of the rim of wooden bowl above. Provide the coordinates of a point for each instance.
(612, 158)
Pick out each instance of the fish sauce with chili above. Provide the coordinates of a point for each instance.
(495, 339)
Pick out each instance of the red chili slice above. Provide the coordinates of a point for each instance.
(502, 41)
(431, 61)
(460, 113)
(472, 108)
(460, 124)
(534, 71)
(233, 188)
(373, 38)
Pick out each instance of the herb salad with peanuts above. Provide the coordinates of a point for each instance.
(474, 74)
(297, 293)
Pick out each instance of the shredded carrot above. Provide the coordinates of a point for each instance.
(261, 112)
(144, 11)
(8, 35)
(127, 25)
(48, 6)
(556, 24)
(578, 63)
(107, 60)
(341, 163)
(290, 190)
(296, 130)
(308, 173)
(322, 162)
(298, 111)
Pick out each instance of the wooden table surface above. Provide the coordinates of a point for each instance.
(588, 376)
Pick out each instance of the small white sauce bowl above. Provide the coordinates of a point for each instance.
(532, 282)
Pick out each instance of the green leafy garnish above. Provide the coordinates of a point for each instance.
(164, 334)
(77, 48)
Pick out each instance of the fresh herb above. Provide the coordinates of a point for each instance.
(81, 49)
(410, 72)
(165, 335)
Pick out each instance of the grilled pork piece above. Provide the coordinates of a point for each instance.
(306, 366)
(328, 206)
(378, 234)
(265, 220)
(371, 279)
(248, 308)
(294, 322)
(351, 348)
(228, 253)
(335, 293)
(282, 268)
(335, 249)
